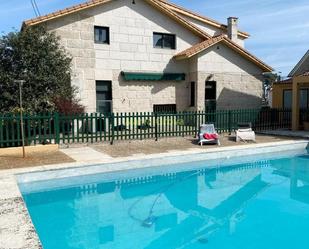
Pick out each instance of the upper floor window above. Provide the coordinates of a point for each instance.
(101, 35)
(161, 40)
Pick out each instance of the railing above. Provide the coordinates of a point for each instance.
(303, 116)
(96, 127)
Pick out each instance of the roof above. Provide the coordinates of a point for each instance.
(305, 74)
(64, 12)
(198, 48)
(286, 81)
(90, 4)
(303, 60)
(163, 5)
(174, 12)
(200, 18)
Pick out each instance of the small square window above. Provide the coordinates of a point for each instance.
(101, 35)
(161, 40)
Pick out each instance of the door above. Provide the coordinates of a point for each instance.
(211, 95)
(104, 96)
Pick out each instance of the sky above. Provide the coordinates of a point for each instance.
(279, 29)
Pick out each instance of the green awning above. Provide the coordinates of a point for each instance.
(130, 76)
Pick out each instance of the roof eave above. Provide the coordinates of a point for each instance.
(297, 66)
(64, 12)
(179, 19)
(181, 57)
(233, 46)
(87, 5)
(248, 55)
(196, 16)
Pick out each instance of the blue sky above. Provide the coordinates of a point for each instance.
(279, 28)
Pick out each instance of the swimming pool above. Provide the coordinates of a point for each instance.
(262, 203)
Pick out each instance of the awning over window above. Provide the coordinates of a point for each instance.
(137, 76)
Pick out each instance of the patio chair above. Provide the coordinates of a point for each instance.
(245, 132)
(208, 129)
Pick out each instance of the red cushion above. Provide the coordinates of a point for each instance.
(209, 136)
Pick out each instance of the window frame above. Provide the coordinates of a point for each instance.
(284, 98)
(164, 108)
(174, 47)
(192, 93)
(305, 89)
(110, 93)
(211, 84)
(107, 30)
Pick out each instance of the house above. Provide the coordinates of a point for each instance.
(293, 93)
(152, 55)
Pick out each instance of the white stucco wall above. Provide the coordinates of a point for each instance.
(131, 49)
(239, 82)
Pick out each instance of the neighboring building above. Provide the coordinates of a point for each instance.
(151, 55)
(293, 93)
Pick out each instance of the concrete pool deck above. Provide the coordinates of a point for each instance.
(16, 228)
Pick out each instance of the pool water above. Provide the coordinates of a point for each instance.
(263, 204)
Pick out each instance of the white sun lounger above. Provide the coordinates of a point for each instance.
(245, 133)
(207, 128)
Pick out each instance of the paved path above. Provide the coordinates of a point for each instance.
(288, 133)
(87, 154)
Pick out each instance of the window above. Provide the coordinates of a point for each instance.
(210, 90)
(287, 99)
(161, 40)
(101, 35)
(304, 98)
(170, 108)
(210, 95)
(192, 98)
(104, 96)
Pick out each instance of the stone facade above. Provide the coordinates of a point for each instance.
(131, 49)
(239, 82)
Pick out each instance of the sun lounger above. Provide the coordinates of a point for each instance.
(208, 134)
(245, 132)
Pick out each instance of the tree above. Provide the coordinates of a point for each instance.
(35, 56)
(269, 80)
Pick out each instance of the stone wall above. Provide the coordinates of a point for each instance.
(239, 82)
(130, 49)
(139, 96)
(76, 32)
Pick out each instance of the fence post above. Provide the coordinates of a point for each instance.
(113, 127)
(57, 128)
(156, 125)
(230, 122)
(197, 125)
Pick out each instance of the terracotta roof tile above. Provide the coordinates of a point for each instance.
(199, 47)
(178, 18)
(305, 74)
(93, 3)
(286, 81)
(65, 11)
(222, 38)
(199, 17)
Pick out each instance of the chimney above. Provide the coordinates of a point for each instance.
(232, 28)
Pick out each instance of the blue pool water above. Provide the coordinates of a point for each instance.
(263, 204)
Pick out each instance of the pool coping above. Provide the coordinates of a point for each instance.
(18, 231)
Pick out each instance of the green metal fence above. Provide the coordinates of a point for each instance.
(96, 127)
